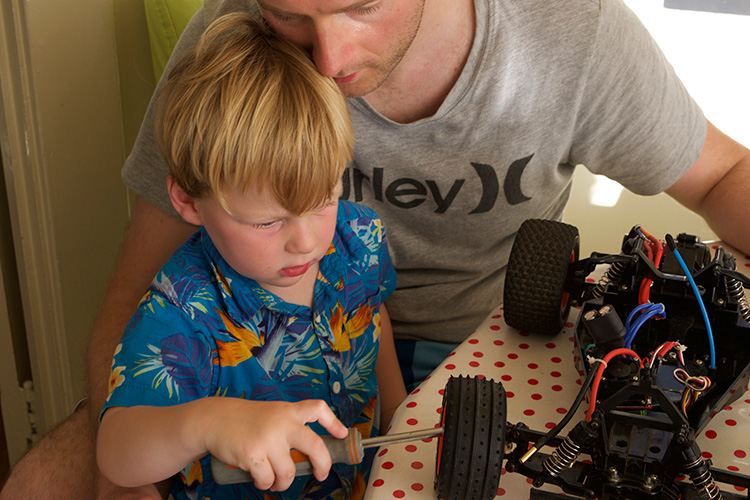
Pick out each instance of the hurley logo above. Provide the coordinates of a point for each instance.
(408, 192)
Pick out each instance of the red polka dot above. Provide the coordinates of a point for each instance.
(412, 421)
(562, 411)
(740, 453)
(478, 354)
(417, 465)
(383, 452)
(506, 378)
(410, 448)
(528, 412)
(556, 374)
(439, 410)
(417, 487)
(536, 397)
(450, 367)
(499, 364)
(711, 434)
(441, 391)
(388, 465)
(523, 346)
(411, 404)
(509, 394)
(533, 366)
(497, 316)
(498, 342)
(556, 360)
(473, 341)
(523, 334)
(512, 356)
(494, 327)
(481, 376)
(500, 492)
(550, 345)
(399, 494)
(733, 468)
(568, 325)
(557, 388)
(415, 390)
(453, 353)
(706, 454)
(730, 422)
(550, 425)
(378, 482)
(532, 381)
(739, 488)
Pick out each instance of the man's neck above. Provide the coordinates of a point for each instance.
(430, 68)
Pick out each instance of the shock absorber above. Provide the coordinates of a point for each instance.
(613, 275)
(567, 452)
(737, 292)
(697, 469)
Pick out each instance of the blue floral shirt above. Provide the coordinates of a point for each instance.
(204, 330)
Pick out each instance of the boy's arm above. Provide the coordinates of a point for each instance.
(150, 239)
(388, 372)
(146, 444)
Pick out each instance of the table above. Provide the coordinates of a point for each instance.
(541, 381)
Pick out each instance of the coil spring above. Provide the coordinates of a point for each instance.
(562, 458)
(613, 275)
(737, 292)
(704, 484)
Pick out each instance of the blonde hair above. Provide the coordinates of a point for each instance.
(247, 109)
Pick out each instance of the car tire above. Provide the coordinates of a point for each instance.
(534, 297)
(472, 446)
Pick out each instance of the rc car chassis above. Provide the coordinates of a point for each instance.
(663, 343)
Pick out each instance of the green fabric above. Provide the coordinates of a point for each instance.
(166, 20)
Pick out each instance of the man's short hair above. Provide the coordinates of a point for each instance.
(247, 109)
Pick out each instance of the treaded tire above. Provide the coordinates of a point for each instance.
(534, 297)
(472, 446)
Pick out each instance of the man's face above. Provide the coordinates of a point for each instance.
(357, 42)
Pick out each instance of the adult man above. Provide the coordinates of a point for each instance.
(469, 117)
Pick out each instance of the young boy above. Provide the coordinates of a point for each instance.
(270, 317)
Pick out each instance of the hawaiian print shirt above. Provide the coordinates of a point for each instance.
(204, 330)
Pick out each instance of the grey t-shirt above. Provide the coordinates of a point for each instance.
(549, 84)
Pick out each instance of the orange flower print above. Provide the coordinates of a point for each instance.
(116, 379)
(359, 321)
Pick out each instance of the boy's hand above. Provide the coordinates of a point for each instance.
(256, 436)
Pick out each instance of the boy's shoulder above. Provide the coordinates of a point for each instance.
(350, 211)
(186, 274)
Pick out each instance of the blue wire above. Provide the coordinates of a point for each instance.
(649, 310)
(702, 306)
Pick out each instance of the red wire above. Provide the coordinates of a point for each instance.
(645, 291)
(598, 376)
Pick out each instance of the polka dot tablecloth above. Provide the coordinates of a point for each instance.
(541, 381)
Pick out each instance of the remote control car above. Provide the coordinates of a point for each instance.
(663, 343)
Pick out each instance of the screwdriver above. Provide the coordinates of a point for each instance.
(349, 450)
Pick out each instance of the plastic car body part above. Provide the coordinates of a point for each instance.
(663, 341)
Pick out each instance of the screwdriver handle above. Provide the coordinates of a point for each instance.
(347, 451)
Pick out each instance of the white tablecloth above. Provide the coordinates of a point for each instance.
(539, 376)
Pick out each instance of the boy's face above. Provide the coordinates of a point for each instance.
(357, 42)
(264, 242)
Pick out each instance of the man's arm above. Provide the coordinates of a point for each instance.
(717, 187)
(151, 238)
(388, 373)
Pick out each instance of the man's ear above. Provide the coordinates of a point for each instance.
(183, 203)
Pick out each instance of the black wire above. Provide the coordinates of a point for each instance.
(576, 403)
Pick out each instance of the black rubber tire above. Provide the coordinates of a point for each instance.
(534, 296)
(472, 446)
